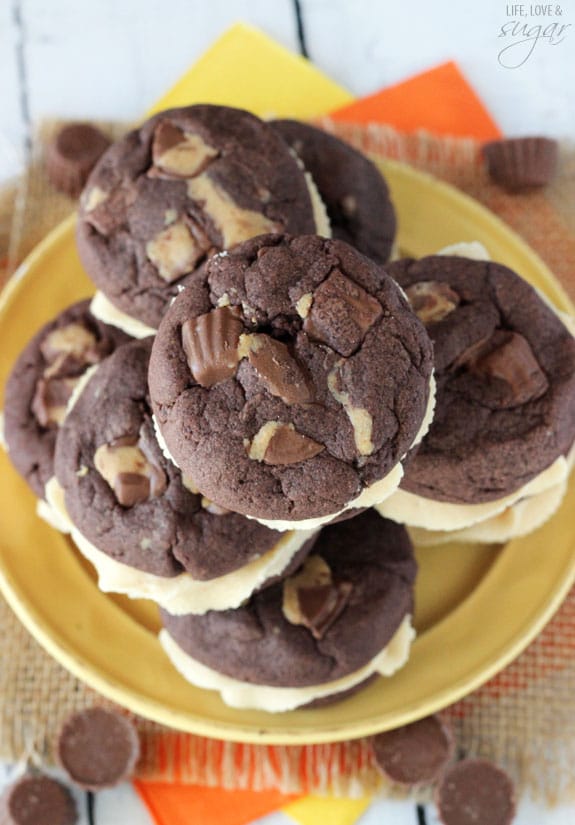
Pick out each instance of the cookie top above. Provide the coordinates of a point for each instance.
(41, 382)
(289, 377)
(188, 183)
(505, 371)
(352, 188)
(328, 620)
(127, 498)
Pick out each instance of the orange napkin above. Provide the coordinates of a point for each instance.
(172, 804)
(439, 100)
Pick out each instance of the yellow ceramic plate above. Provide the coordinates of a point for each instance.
(477, 607)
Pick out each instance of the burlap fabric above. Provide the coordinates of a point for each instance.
(524, 718)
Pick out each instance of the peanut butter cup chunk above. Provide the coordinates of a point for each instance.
(505, 369)
(289, 377)
(98, 748)
(41, 383)
(189, 183)
(351, 186)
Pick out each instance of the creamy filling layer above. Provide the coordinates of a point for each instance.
(105, 311)
(239, 694)
(178, 594)
(519, 519)
(467, 249)
(417, 511)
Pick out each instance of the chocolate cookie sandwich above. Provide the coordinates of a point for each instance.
(188, 183)
(505, 415)
(352, 188)
(341, 619)
(41, 383)
(144, 527)
(290, 380)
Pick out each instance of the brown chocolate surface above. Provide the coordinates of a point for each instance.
(521, 164)
(351, 186)
(41, 382)
(98, 748)
(130, 501)
(329, 389)
(37, 800)
(473, 792)
(371, 557)
(505, 371)
(71, 156)
(188, 183)
(414, 754)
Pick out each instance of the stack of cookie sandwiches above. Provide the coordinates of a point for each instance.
(231, 423)
(285, 357)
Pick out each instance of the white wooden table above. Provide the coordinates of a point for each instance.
(110, 59)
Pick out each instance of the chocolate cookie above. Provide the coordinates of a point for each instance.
(342, 617)
(290, 379)
(352, 188)
(188, 183)
(41, 382)
(131, 503)
(505, 370)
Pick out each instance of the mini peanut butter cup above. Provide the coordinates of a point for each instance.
(520, 164)
(72, 155)
(414, 754)
(37, 800)
(98, 748)
(475, 791)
